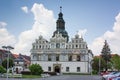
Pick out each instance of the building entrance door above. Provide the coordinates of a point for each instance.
(17, 70)
(57, 69)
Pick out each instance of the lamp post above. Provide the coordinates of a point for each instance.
(90, 62)
(7, 48)
(99, 64)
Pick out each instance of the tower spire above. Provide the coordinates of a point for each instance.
(60, 8)
(60, 26)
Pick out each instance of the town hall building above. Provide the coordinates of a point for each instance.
(61, 55)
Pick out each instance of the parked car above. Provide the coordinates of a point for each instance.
(112, 77)
(106, 75)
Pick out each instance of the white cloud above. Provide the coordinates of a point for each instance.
(2, 24)
(111, 36)
(5, 37)
(44, 25)
(25, 9)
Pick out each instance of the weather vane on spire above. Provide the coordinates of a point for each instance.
(60, 8)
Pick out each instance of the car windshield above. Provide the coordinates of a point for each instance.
(117, 74)
(112, 73)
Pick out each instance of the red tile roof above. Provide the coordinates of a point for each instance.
(15, 55)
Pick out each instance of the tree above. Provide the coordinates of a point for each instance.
(115, 62)
(4, 63)
(106, 54)
(36, 69)
(95, 64)
(2, 69)
(98, 64)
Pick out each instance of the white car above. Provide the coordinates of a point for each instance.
(105, 76)
(111, 77)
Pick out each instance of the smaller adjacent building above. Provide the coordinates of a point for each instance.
(21, 63)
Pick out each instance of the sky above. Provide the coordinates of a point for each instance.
(23, 21)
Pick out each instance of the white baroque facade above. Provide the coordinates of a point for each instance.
(61, 55)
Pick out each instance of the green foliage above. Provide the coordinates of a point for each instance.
(115, 62)
(2, 69)
(36, 69)
(98, 63)
(94, 72)
(102, 64)
(4, 63)
(106, 54)
(95, 64)
(30, 76)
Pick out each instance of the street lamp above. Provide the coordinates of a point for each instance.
(7, 48)
(99, 64)
(90, 62)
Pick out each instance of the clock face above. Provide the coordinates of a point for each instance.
(57, 45)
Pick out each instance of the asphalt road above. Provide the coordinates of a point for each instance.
(63, 77)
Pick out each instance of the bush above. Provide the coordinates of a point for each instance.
(2, 69)
(36, 69)
(94, 72)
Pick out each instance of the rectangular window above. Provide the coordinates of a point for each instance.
(33, 47)
(72, 46)
(76, 46)
(78, 69)
(79, 46)
(76, 41)
(69, 46)
(78, 57)
(49, 68)
(67, 69)
(36, 47)
(49, 58)
(72, 41)
(70, 57)
(57, 57)
(40, 46)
